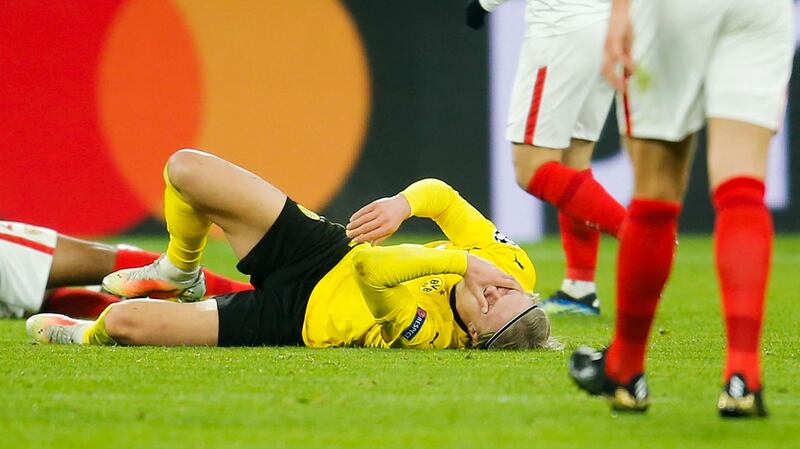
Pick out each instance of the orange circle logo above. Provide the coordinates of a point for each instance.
(283, 92)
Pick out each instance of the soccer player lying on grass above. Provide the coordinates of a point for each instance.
(37, 264)
(318, 284)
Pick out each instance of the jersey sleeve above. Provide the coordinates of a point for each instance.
(460, 221)
(380, 273)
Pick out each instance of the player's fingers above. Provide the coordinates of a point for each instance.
(361, 220)
(509, 282)
(628, 66)
(364, 210)
(373, 236)
(359, 232)
(609, 72)
(612, 75)
(482, 302)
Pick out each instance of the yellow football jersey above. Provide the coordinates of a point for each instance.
(399, 296)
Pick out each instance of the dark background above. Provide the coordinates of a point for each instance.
(430, 114)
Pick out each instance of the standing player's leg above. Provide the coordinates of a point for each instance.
(647, 247)
(580, 240)
(558, 103)
(202, 189)
(737, 160)
(580, 243)
(660, 110)
(646, 250)
(575, 193)
(746, 95)
(558, 107)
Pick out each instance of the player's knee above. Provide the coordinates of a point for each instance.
(183, 166)
(122, 323)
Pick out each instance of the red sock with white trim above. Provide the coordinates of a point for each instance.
(215, 283)
(577, 195)
(743, 248)
(646, 250)
(580, 243)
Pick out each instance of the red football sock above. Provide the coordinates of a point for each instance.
(580, 243)
(578, 195)
(646, 250)
(77, 302)
(743, 249)
(219, 285)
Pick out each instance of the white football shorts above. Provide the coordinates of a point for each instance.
(26, 254)
(558, 92)
(694, 59)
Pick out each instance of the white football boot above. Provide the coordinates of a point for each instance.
(161, 279)
(55, 328)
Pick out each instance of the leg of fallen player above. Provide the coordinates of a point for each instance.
(134, 322)
(201, 189)
(244, 205)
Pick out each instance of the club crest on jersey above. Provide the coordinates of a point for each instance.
(419, 319)
(308, 213)
(501, 238)
(432, 285)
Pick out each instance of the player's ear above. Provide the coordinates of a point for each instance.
(473, 333)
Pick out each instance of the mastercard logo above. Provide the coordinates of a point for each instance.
(96, 96)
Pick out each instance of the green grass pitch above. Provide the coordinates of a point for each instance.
(116, 397)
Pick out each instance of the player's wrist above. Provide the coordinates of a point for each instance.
(404, 203)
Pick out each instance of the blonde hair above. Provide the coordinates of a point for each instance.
(530, 332)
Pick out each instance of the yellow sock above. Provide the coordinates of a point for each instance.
(188, 231)
(97, 334)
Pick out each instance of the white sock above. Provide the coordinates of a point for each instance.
(169, 270)
(577, 289)
(79, 330)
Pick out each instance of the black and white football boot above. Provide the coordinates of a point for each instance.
(737, 401)
(587, 369)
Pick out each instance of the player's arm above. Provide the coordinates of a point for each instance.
(428, 198)
(380, 273)
(460, 221)
(619, 42)
(475, 11)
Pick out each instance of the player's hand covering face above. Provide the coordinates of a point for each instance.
(378, 220)
(619, 41)
(504, 305)
(483, 279)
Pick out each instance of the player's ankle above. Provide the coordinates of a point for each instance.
(170, 270)
(578, 289)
